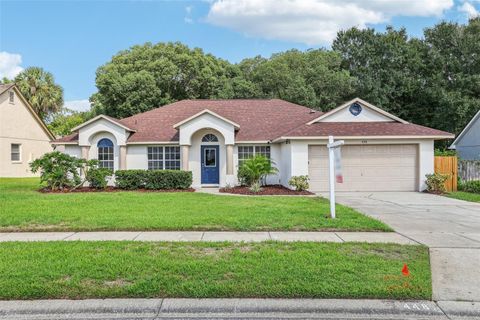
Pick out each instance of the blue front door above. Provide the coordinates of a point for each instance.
(210, 165)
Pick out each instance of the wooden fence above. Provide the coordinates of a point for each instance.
(448, 166)
(469, 170)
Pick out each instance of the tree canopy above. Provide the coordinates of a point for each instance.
(148, 76)
(39, 88)
(434, 81)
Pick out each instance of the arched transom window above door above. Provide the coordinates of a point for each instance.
(105, 153)
(209, 138)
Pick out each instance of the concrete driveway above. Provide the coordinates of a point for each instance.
(449, 227)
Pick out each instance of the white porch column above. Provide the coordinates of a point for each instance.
(229, 159)
(185, 157)
(123, 158)
(85, 151)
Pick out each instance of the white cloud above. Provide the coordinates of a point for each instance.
(468, 9)
(10, 64)
(314, 21)
(188, 15)
(77, 105)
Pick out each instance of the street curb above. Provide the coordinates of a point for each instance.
(158, 307)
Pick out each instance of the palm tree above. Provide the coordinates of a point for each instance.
(254, 170)
(39, 88)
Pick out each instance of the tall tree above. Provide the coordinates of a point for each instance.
(148, 76)
(312, 78)
(434, 81)
(452, 73)
(39, 88)
(61, 123)
(386, 66)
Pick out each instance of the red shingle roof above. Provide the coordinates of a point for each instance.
(356, 129)
(259, 120)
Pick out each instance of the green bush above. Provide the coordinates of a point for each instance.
(436, 182)
(299, 182)
(168, 179)
(472, 186)
(153, 179)
(97, 177)
(445, 153)
(58, 170)
(130, 179)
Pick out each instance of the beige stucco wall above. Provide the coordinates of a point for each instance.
(18, 125)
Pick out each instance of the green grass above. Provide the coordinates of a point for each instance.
(199, 270)
(467, 196)
(22, 208)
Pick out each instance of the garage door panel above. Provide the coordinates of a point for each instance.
(367, 168)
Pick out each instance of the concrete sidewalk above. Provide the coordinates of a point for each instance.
(237, 309)
(213, 236)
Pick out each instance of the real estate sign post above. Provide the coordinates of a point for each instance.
(335, 169)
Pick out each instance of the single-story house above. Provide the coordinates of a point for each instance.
(23, 135)
(212, 137)
(467, 143)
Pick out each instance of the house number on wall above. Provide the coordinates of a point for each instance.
(364, 141)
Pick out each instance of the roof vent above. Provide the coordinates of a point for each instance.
(312, 111)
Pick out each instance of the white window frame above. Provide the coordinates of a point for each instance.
(254, 151)
(166, 153)
(205, 156)
(19, 152)
(106, 163)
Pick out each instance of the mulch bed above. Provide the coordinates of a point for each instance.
(271, 190)
(111, 189)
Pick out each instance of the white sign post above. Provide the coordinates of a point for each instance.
(331, 165)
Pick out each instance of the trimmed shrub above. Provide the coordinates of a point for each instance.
(472, 186)
(130, 179)
(153, 179)
(97, 177)
(299, 182)
(436, 182)
(168, 179)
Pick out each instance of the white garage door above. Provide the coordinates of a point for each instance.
(367, 168)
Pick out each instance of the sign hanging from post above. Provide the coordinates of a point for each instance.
(334, 163)
(337, 154)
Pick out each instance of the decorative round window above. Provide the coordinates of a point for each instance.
(209, 138)
(355, 109)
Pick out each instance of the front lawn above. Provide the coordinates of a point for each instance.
(467, 196)
(78, 270)
(22, 208)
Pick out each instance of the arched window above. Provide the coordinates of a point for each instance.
(209, 138)
(105, 153)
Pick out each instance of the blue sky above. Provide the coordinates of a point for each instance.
(72, 38)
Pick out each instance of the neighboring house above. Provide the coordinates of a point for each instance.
(467, 143)
(212, 137)
(23, 135)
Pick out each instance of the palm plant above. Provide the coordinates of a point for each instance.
(39, 88)
(254, 171)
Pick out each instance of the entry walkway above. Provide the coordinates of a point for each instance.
(213, 236)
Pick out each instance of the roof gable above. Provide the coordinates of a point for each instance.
(206, 111)
(36, 117)
(369, 113)
(465, 130)
(99, 117)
